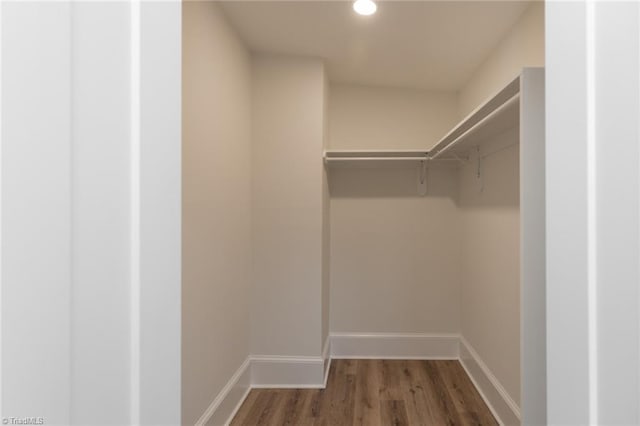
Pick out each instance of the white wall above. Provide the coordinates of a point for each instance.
(288, 124)
(366, 117)
(326, 225)
(490, 213)
(522, 47)
(217, 170)
(490, 262)
(394, 254)
(90, 246)
(387, 275)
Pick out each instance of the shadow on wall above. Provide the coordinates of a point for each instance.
(442, 181)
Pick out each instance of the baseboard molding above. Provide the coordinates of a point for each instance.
(287, 372)
(236, 408)
(503, 407)
(394, 346)
(230, 398)
(326, 357)
(312, 372)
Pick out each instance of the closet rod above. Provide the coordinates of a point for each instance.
(347, 159)
(336, 159)
(515, 98)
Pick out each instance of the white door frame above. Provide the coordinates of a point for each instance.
(593, 215)
(90, 207)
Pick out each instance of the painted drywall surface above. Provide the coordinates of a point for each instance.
(366, 117)
(490, 224)
(216, 205)
(490, 214)
(522, 47)
(394, 254)
(287, 206)
(36, 178)
(326, 223)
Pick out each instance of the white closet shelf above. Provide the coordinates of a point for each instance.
(374, 159)
(496, 115)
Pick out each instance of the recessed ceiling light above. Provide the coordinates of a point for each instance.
(365, 7)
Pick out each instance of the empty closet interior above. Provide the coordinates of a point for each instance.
(362, 187)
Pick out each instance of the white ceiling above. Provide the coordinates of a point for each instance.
(433, 45)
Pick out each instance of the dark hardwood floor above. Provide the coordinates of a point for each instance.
(374, 392)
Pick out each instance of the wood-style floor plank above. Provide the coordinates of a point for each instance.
(391, 372)
(440, 396)
(367, 399)
(246, 407)
(374, 393)
(462, 391)
(263, 409)
(393, 413)
(419, 398)
(291, 411)
(342, 394)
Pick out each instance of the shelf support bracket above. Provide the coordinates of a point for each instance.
(422, 177)
(479, 171)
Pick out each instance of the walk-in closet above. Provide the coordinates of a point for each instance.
(320, 212)
(363, 212)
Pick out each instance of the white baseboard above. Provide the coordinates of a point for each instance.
(394, 346)
(287, 372)
(230, 398)
(313, 372)
(503, 407)
(267, 372)
(326, 356)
